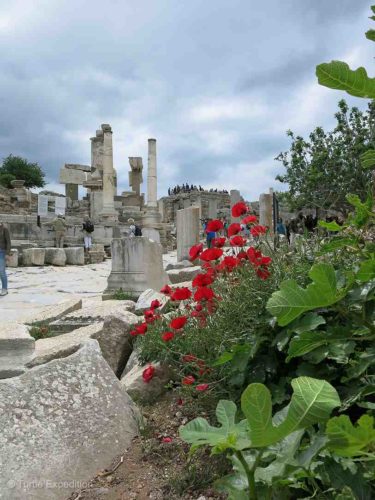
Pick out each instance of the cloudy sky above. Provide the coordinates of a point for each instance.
(217, 82)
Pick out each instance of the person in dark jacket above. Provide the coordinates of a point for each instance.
(5, 245)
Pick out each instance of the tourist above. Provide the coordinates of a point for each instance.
(88, 229)
(131, 232)
(280, 227)
(59, 225)
(5, 245)
(210, 235)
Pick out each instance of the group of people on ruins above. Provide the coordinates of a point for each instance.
(185, 188)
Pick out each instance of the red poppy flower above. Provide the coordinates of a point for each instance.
(266, 261)
(233, 229)
(167, 440)
(178, 323)
(211, 254)
(155, 304)
(263, 273)
(182, 293)
(239, 209)
(237, 241)
(133, 333)
(180, 402)
(255, 256)
(195, 251)
(149, 313)
(198, 307)
(167, 336)
(218, 242)
(196, 314)
(202, 280)
(188, 380)
(148, 373)
(249, 219)
(201, 387)
(141, 329)
(242, 255)
(258, 230)
(211, 307)
(166, 290)
(204, 293)
(228, 263)
(214, 226)
(189, 358)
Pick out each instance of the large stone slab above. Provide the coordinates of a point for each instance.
(16, 349)
(60, 423)
(132, 381)
(178, 265)
(75, 256)
(181, 275)
(53, 313)
(33, 256)
(55, 256)
(145, 299)
(12, 260)
(137, 265)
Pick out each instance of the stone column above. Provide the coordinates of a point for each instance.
(152, 183)
(187, 231)
(108, 211)
(265, 211)
(235, 197)
(212, 208)
(152, 218)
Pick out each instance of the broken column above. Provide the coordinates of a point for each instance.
(135, 176)
(152, 218)
(265, 210)
(137, 265)
(108, 211)
(187, 231)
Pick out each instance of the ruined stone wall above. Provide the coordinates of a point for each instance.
(211, 204)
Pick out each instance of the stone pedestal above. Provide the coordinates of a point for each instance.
(187, 231)
(212, 209)
(137, 265)
(265, 211)
(12, 260)
(235, 197)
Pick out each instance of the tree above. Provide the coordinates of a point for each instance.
(15, 167)
(321, 171)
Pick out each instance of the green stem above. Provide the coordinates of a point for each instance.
(249, 475)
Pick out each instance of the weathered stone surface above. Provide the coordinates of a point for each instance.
(96, 257)
(55, 256)
(12, 260)
(115, 340)
(16, 349)
(145, 299)
(179, 265)
(137, 265)
(181, 275)
(55, 312)
(33, 256)
(64, 345)
(75, 256)
(188, 227)
(132, 362)
(60, 423)
(141, 391)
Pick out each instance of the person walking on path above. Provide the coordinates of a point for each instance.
(5, 245)
(59, 225)
(88, 229)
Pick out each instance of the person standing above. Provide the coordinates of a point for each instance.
(5, 246)
(59, 225)
(88, 229)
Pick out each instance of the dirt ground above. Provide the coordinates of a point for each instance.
(157, 466)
